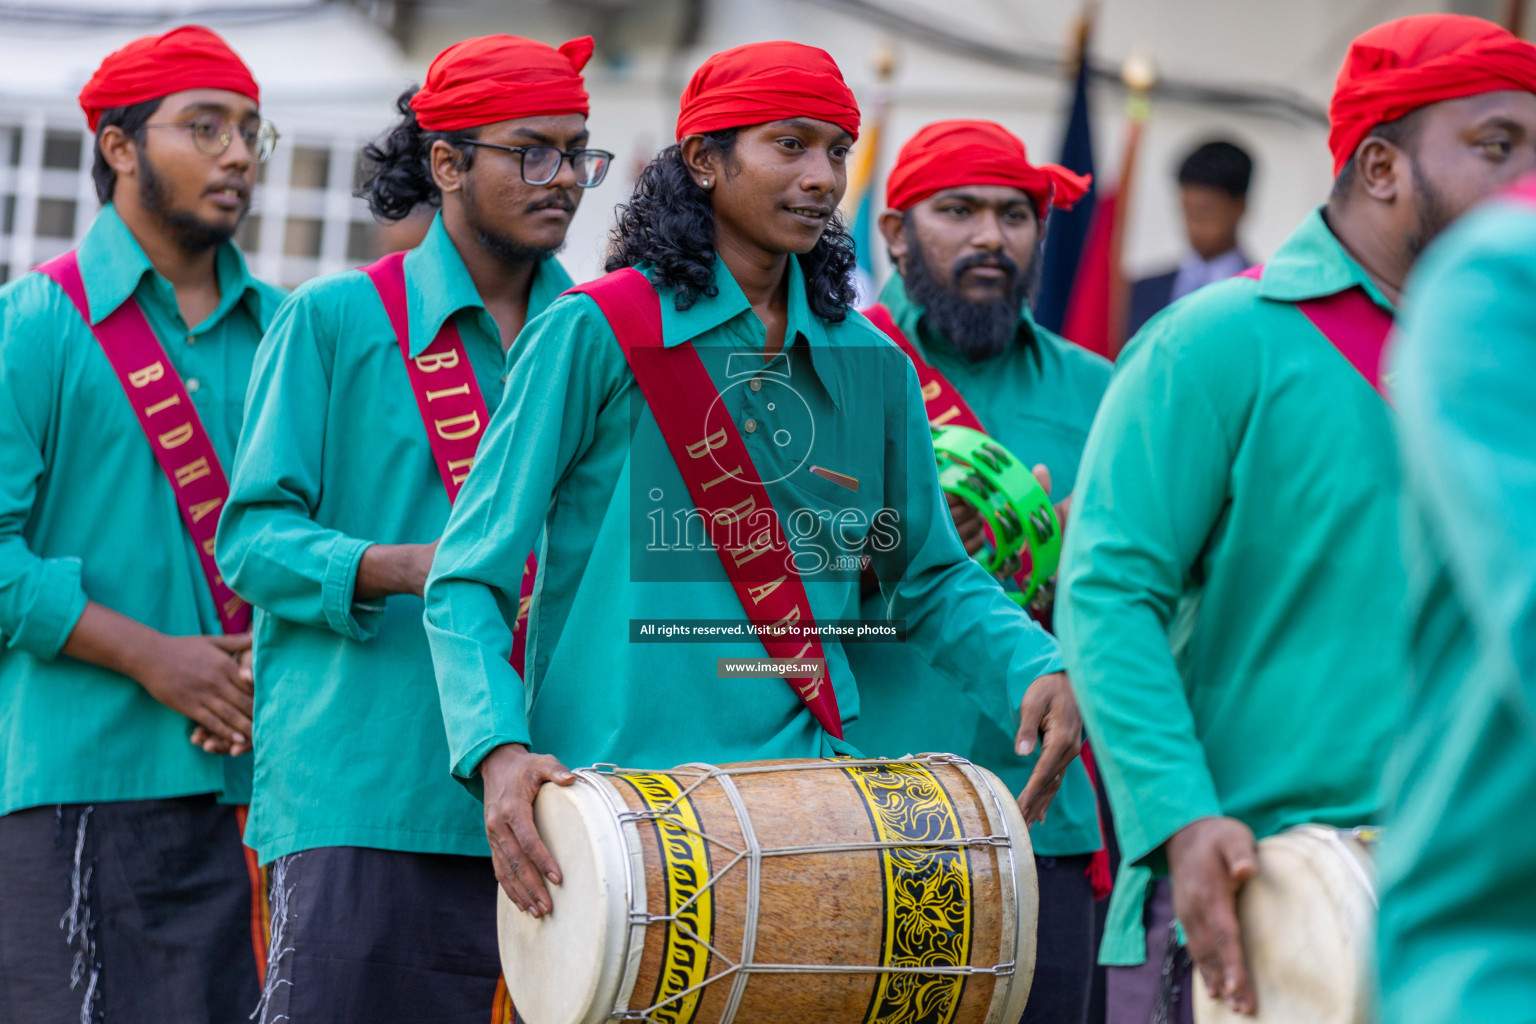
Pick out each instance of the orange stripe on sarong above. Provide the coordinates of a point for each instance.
(261, 909)
(501, 1007)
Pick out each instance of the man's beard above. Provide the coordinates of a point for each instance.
(508, 251)
(977, 330)
(1431, 211)
(190, 233)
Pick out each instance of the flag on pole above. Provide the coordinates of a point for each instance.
(1069, 229)
(860, 207)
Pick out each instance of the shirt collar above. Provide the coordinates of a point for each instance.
(1312, 264)
(437, 285)
(730, 302)
(113, 266)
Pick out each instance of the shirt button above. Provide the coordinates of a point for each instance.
(757, 384)
(191, 339)
(192, 385)
(749, 426)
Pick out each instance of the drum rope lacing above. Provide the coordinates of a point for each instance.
(752, 853)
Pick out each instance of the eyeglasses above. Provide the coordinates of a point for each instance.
(212, 135)
(541, 164)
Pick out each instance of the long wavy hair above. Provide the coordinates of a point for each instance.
(670, 224)
(399, 165)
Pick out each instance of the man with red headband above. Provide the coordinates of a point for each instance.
(710, 436)
(125, 893)
(965, 224)
(1232, 574)
(367, 406)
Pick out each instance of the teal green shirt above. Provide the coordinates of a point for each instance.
(1232, 571)
(350, 749)
(575, 449)
(1458, 858)
(87, 514)
(1037, 398)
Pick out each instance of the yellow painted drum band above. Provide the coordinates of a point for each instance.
(685, 862)
(927, 893)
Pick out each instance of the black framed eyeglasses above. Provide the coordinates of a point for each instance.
(212, 135)
(541, 164)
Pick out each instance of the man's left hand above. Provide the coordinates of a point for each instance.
(1047, 714)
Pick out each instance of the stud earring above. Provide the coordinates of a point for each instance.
(706, 184)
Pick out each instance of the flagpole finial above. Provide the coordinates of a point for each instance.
(886, 60)
(1082, 28)
(1139, 73)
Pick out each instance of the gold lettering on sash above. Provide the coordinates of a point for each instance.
(787, 621)
(522, 606)
(432, 396)
(804, 649)
(194, 470)
(203, 508)
(727, 475)
(208, 547)
(733, 515)
(760, 592)
(431, 362)
(758, 545)
(931, 390)
(455, 465)
(470, 418)
(151, 373)
(945, 416)
(231, 606)
(162, 405)
(701, 448)
(176, 437)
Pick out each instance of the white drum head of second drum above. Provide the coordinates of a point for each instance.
(1308, 927)
(570, 966)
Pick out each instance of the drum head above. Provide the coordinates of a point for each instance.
(573, 966)
(1307, 922)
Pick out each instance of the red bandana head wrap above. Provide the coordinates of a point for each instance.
(949, 154)
(763, 82)
(190, 57)
(1396, 68)
(497, 78)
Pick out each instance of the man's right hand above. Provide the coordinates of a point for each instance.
(512, 777)
(1209, 860)
(200, 677)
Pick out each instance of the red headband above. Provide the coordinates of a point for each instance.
(1396, 68)
(763, 82)
(498, 78)
(190, 57)
(950, 154)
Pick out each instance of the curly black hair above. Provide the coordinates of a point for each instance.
(399, 166)
(670, 224)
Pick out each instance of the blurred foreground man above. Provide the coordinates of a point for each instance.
(1458, 863)
(965, 224)
(1233, 563)
(125, 893)
(367, 406)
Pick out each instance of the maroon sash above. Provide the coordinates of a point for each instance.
(1352, 323)
(452, 409)
(170, 423)
(680, 394)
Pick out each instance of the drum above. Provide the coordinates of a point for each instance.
(836, 891)
(1023, 536)
(1308, 922)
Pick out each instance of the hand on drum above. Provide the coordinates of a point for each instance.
(512, 777)
(1209, 860)
(1048, 713)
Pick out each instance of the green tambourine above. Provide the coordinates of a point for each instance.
(1018, 512)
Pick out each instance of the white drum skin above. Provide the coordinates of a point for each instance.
(1308, 921)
